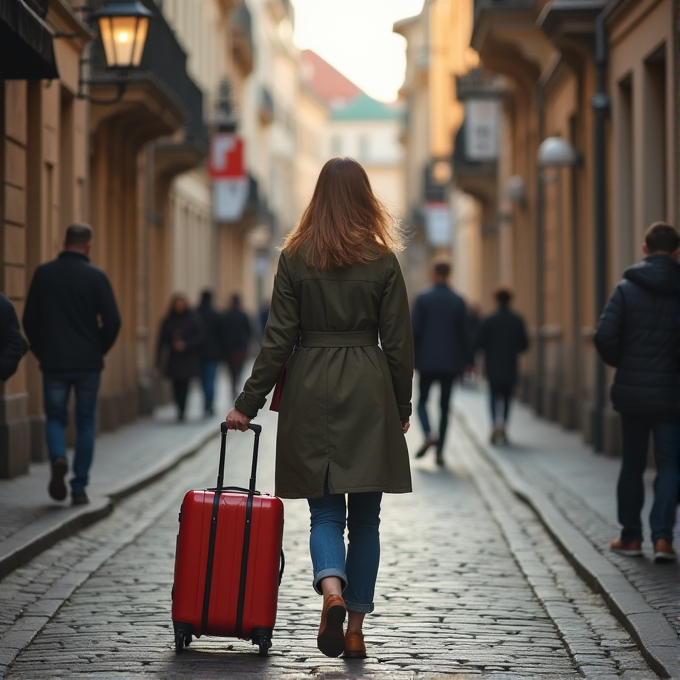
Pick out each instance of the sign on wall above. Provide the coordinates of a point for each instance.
(482, 123)
(230, 179)
(438, 223)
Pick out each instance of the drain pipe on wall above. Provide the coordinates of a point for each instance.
(601, 105)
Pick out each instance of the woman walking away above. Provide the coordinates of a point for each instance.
(346, 402)
(179, 343)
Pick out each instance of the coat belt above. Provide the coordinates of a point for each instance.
(340, 339)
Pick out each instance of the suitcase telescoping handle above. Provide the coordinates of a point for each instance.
(257, 429)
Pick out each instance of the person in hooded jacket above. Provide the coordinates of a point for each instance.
(639, 333)
(179, 344)
(11, 342)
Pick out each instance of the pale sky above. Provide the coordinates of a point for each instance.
(355, 36)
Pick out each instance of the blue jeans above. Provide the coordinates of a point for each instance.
(358, 571)
(636, 429)
(56, 391)
(208, 375)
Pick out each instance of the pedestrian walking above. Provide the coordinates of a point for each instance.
(474, 321)
(346, 401)
(237, 332)
(71, 320)
(178, 356)
(502, 337)
(11, 341)
(212, 349)
(442, 351)
(638, 334)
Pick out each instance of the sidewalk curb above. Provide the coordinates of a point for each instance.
(647, 626)
(30, 541)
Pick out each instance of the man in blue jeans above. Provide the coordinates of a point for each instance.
(638, 333)
(71, 320)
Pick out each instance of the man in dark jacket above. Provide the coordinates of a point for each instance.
(11, 342)
(212, 349)
(441, 346)
(237, 332)
(502, 337)
(71, 320)
(639, 333)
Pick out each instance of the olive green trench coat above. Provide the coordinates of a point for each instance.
(344, 397)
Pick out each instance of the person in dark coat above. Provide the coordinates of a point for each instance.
(474, 321)
(71, 320)
(11, 342)
(638, 333)
(212, 349)
(502, 337)
(179, 345)
(237, 332)
(442, 350)
(340, 296)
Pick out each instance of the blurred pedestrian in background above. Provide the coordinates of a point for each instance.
(638, 333)
(442, 350)
(474, 320)
(502, 337)
(11, 341)
(346, 400)
(178, 356)
(71, 320)
(237, 332)
(212, 349)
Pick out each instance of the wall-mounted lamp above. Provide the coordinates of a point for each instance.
(515, 190)
(556, 152)
(123, 27)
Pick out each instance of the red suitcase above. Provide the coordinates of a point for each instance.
(229, 561)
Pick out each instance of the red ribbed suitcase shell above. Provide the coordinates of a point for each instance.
(263, 566)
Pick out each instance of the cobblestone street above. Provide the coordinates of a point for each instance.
(470, 583)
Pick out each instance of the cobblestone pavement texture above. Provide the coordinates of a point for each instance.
(582, 486)
(470, 585)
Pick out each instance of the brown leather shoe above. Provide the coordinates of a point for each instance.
(354, 645)
(331, 637)
(627, 548)
(663, 551)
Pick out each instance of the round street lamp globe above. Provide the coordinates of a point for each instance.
(123, 27)
(555, 152)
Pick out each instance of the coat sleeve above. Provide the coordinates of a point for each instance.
(607, 336)
(10, 340)
(277, 344)
(31, 316)
(110, 317)
(396, 337)
(196, 333)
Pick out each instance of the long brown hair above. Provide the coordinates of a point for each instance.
(344, 222)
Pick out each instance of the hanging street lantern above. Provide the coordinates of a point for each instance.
(123, 27)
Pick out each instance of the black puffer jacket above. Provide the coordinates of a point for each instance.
(639, 333)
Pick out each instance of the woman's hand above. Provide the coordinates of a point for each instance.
(237, 420)
(405, 425)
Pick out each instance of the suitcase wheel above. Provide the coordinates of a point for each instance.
(264, 645)
(182, 639)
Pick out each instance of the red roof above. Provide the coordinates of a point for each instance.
(325, 81)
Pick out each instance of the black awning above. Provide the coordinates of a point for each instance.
(26, 49)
